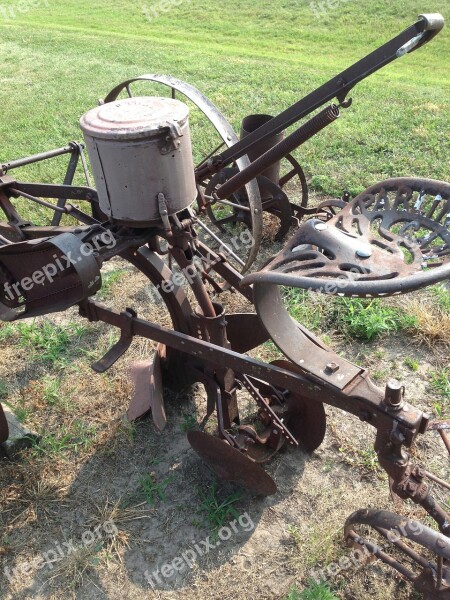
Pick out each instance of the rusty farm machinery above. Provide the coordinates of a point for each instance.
(154, 208)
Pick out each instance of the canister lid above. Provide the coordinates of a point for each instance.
(134, 118)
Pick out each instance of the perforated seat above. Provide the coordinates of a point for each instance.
(391, 239)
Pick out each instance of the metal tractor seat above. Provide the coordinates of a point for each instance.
(391, 239)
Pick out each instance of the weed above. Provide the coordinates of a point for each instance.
(73, 567)
(365, 459)
(314, 591)
(366, 319)
(51, 391)
(216, 510)
(432, 320)
(309, 310)
(153, 490)
(411, 363)
(121, 516)
(439, 381)
(48, 342)
(7, 331)
(441, 296)
(189, 422)
(20, 411)
(295, 534)
(379, 375)
(79, 437)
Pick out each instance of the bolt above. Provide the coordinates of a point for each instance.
(420, 474)
(411, 487)
(441, 544)
(275, 431)
(364, 252)
(332, 368)
(394, 393)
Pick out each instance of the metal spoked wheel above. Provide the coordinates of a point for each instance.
(248, 215)
(276, 199)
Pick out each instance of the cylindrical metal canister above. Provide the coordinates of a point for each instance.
(139, 148)
(249, 125)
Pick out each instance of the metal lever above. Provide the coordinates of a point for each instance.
(120, 347)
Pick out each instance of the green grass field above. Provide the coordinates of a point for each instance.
(59, 58)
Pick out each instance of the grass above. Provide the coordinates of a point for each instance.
(440, 384)
(441, 297)
(75, 566)
(110, 280)
(77, 437)
(154, 490)
(367, 319)
(217, 509)
(247, 58)
(47, 342)
(314, 591)
(189, 422)
(354, 317)
(412, 363)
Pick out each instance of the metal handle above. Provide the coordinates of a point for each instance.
(434, 21)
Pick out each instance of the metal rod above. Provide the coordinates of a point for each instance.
(38, 200)
(445, 439)
(422, 561)
(227, 203)
(85, 167)
(382, 556)
(14, 164)
(210, 154)
(217, 239)
(437, 480)
(439, 573)
(4, 241)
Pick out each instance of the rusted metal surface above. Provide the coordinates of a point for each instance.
(252, 123)
(230, 464)
(387, 235)
(431, 577)
(393, 238)
(284, 147)
(123, 138)
(306, 420)
(147, 379)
